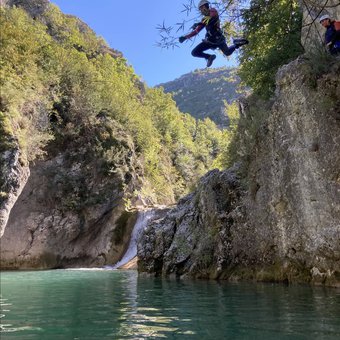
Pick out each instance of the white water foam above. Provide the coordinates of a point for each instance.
(142, 220)
(86, 269)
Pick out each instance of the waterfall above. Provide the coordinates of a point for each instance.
(142, 220)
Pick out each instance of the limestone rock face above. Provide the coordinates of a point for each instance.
(284, 224)
(71, 212)
(295, 195)
(190, 240)
(72, 206)
(13, 177)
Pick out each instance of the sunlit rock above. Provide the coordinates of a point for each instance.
(281, 222)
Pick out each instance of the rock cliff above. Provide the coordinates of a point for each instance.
(71, 212)
(13, 178)
(282, 222)
(69, 207)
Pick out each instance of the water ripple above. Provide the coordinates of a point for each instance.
(91, 304)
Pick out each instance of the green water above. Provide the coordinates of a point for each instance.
(66, 304)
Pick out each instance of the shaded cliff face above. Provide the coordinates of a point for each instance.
(71, 211)
(13, 177)
(285, 225)
(192, 239)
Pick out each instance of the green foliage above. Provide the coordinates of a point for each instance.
(273, 29)
(5, 133)
(23, 82)
(226, 157)
(319, 62)
(64, 89)
(189, 145)
(244, 133)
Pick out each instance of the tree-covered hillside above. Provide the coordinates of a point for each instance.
(64, 90)
(202, 93)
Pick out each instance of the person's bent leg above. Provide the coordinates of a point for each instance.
(227, 51)
(198, 51)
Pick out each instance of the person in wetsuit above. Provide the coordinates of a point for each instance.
(332, 34)
(214, 37)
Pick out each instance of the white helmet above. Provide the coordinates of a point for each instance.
(324, 17)
(202, 3)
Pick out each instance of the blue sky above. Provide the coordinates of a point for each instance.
(130, 27)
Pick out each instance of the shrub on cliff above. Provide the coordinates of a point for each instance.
(274, 30)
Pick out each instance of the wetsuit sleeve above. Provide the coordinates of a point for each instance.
(332, 35)
(198, 29)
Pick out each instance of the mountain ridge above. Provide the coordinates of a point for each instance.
(193, 91)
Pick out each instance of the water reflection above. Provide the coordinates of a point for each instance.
(216, 310)
(8, 328)
(141, 321)
(121, 305)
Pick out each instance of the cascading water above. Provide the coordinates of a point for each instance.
(142, 220)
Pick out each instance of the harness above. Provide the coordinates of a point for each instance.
(214, 33)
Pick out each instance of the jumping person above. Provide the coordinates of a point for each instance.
(214, 37)
(332, 34)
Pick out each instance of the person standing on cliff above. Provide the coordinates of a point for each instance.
(332, 34)
(214, 37)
